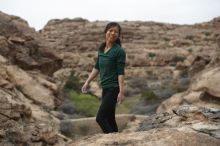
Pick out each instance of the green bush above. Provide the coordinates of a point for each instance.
(172, 64)
(151, 55)
(128, 104)
(178, 58)
(86, 105)
(207, 33)
(149, 95)
(184, 73)
(73, 83)
(190, 50)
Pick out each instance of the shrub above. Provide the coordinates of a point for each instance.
(172, 64)
(189, 37)
(149, 95)
(72, 83)
(190, 50)
(86, 105)
(207, 33)
(184, 73)
(68, 108)
(66, 128)
(178, 58)
(151, 55)
(166, 39)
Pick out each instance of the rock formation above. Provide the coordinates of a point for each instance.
(27, 94)
(22, 46)
(186, 125)
(203, 91)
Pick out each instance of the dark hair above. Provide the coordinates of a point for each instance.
(108, 26)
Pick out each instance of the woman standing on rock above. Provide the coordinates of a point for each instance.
(110, 65)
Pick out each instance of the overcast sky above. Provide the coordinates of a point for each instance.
(39, 12)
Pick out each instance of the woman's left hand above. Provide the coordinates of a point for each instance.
(120, 97)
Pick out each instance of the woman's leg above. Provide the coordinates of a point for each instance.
(112, 121)
(101, 119)
(106, 113)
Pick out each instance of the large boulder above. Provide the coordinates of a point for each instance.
(25, 47)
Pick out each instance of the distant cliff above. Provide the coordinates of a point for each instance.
(146, 43)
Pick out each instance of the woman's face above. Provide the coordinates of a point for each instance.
(112, 34)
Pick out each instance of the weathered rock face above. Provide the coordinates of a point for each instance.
(203, 91)
(19, 128)
(24, 102)
(26, 97)
(187, 125)
(24, 47)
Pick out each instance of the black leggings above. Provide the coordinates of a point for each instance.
(106, 114)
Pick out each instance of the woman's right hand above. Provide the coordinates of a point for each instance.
(92, 75)
(85, 87)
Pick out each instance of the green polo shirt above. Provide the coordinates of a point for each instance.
(110, 65)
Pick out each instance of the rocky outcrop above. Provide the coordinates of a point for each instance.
(19, 128)
(203, 91)
(26, 95)
(24, 47)
(24, 104)
(186, 125)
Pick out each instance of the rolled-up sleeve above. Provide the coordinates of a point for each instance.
(121, 59)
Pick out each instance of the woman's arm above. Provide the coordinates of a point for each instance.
(121, 79)
(92, 75)
(121, 59)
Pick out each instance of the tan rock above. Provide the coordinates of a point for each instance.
(3, 59)
(161, 137)
(208, 81)
(30, 87)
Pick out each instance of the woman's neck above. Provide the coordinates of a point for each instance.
(109, 44)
